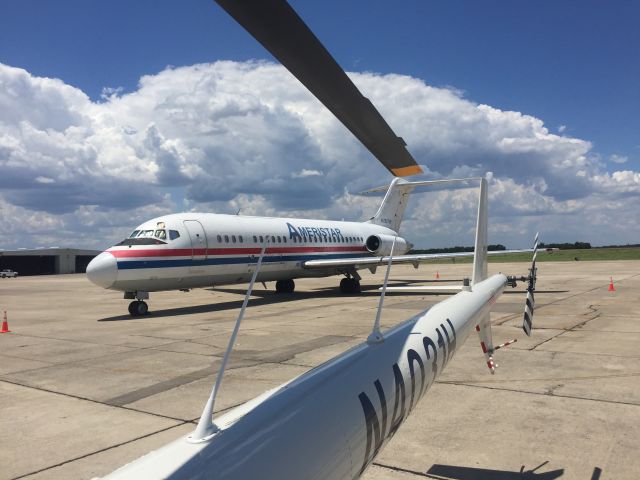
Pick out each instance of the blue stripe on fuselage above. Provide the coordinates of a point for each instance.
(188, 262)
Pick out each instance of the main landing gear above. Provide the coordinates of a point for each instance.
(350, 285)
(138, 307)
(285, 286)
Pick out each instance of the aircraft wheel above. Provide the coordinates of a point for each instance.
(137, 308)
(349, 285)
(143, 308)
(285, 286)
(290, 285)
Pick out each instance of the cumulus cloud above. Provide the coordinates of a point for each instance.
(246, 136)
(618, 158)
(305, 172)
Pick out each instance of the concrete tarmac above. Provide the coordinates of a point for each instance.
(84, 388)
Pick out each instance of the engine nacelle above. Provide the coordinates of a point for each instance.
(380, 244)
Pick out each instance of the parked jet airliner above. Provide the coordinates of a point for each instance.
(191, 250)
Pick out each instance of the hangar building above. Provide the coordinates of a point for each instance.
(46, 261)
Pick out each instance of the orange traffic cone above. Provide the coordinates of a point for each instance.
(611, 287)
(437, 275)
(5, 324)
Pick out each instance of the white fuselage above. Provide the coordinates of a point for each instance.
(330, 422)
(213, 249)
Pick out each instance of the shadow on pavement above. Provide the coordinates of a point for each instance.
(452, 472)
(259, 297)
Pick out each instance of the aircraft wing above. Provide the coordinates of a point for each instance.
(364, 262)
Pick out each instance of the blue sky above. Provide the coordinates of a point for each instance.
(574, 65)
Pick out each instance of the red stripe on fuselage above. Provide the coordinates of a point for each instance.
(187, 252)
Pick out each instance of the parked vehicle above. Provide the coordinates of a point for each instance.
(8, 274)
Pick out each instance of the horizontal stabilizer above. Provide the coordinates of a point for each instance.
(421, 183)
(414, 259)
(426, 289)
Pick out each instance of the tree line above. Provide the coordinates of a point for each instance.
(456, 249)
(560, 246)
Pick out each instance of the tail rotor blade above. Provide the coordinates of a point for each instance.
(530, 303)
(528, 314)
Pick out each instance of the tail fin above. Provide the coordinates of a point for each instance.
(480, 273)
(480, 252)
(395, 201)
(393, 205)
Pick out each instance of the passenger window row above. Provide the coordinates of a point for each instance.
(261, 239)
(230, 239)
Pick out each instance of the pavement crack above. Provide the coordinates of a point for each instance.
(551, 390)
(111, 447)
(403, 470)
(571, 329)
(545, 394)
(547, 340)
(563, 299)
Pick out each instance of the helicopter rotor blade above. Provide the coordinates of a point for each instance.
(284, 34)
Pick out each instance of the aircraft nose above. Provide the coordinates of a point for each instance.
(103, 270)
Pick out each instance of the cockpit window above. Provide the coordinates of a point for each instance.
(140, 241)
(159, 233)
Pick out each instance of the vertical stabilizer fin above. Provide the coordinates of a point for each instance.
(480, 255)
(393, 205)
(480, 273)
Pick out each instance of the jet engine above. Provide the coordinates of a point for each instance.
(380, 244)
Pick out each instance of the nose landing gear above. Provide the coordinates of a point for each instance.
(138, 307)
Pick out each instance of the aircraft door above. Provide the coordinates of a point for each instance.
(198, 239)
